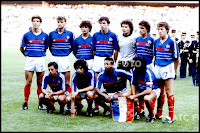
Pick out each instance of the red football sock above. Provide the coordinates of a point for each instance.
(69, 89)
(52, 103)
(27, 90)
(171, 100)
(96, 106)
(161, 101)
(152, 105)
(39, 90)
(137, 107)
(141, 104)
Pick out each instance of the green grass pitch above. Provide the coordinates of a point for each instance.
(34, 120)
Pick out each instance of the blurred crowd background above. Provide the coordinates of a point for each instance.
(16, 18)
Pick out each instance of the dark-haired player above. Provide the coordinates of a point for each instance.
(33, 47)
(57, 83)
(83, 82)
(144, 87)
(127, 47)
(144, 47)
(166, 62)
(104, 44)
(83, 43)
(110, 79)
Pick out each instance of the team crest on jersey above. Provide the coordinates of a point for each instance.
(149, 42)
(43, 39)
(68, 37)
(167, 46)
(110, 39)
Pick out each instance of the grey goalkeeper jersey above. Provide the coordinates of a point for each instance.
(127, 48)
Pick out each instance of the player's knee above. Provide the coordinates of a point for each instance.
(61, 98)
(67, 99)
(147, 98)
(90, 94)
(28, 82)
(41, 95)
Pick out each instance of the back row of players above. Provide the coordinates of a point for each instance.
(161, 57)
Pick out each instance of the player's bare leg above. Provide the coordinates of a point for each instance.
(27, 89)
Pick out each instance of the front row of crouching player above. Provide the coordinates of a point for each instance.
(143, 84)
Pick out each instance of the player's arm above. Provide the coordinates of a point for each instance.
(177, 60)
(89, 88)
(60, 92)
(50, 42)
(22, 50)
(101, 93)
(115, 55)
(145, 92)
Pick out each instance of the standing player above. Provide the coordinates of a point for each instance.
(33, 47)
(57, 83)
(83, 82)
(144, 47)
(111, 83)
(184, 54)
(104, 43)
(60, 46)
(145, 43)
(83, 43)
(127, 47)
(144, 87)
(166, 62)
(194, 55)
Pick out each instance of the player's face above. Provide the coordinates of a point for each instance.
(61, 23)
(104, 25)
(53, 71)
(80, 70)
(126, 29)
(36, 23)
(85, 29)
(162, 32)
(183, 37)
(173, 34)
(108, 66)
(142, 30)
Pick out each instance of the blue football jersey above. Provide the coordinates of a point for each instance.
(144, 48)
(83, 81)
(35, 45)
(141, 83)
(104, 44)
(61, 44)
(82, 48)
(56, 84)
(165, 53)
(112, 83)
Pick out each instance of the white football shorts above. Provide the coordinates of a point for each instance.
(165, 72)
(98, 64)
(157, 91)
(63, 63)
(90, 63)
(35, 64)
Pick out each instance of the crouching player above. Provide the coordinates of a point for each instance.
(113, 86)
(83, 82)
(144, 86)
(57, 83)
